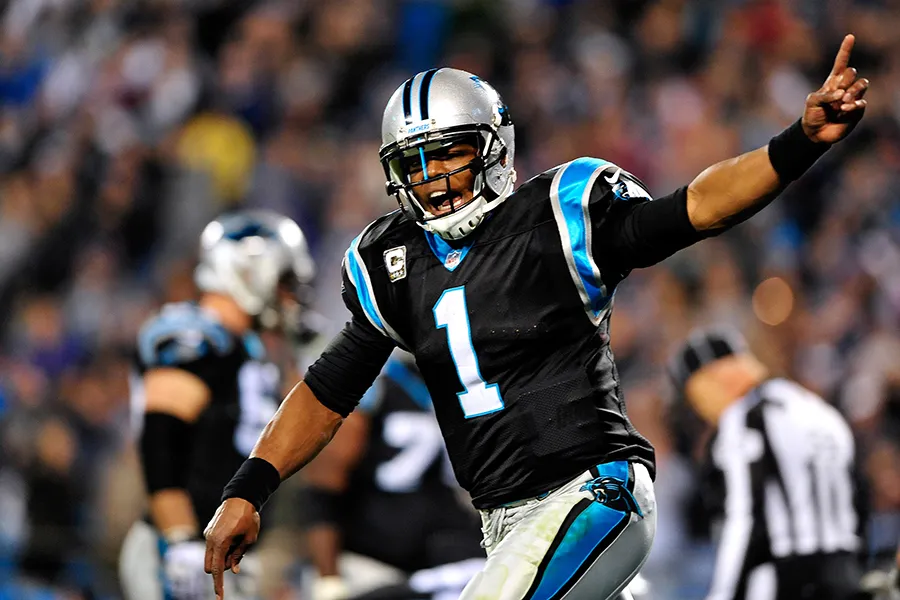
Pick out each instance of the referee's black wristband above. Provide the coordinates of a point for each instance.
(791, 152)
(255, 481)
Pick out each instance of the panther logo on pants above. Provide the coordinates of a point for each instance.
(613, 492)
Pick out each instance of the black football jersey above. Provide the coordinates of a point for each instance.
(245, 392)
(511, 328)
(402, 506)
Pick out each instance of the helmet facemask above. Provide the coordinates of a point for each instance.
(403, 160)
(290, 311)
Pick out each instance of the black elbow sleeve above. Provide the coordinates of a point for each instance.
(165, 448)
(652, 231)
(348, 367)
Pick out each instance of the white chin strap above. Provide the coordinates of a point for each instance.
(461, 223)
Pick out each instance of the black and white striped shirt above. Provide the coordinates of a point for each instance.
(787, 460)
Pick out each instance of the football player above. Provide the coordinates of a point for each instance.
(504, 296)
(382, 504)
(204, 390)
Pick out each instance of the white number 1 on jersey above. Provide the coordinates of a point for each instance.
(478, 398)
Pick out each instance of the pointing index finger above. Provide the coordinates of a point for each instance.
(843, 56)
(218, 568)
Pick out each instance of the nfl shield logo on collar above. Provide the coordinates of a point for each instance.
(452, 259)
(395, 263)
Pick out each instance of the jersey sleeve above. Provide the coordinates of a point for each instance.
(623, 226)
(183, 338)
(350, 364)
(609, 224)
(358, 292)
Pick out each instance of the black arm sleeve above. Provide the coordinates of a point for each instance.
(351, 362)
(634, 234)
(165, 442)
(348, 366)
(322, 507)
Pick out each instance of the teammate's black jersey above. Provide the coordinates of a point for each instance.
(402, 506)
(244, 390)
(511, 329)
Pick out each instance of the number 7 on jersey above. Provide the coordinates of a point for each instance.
(450, 313)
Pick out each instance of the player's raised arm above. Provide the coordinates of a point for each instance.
(733, 190)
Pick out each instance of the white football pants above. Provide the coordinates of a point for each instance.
(583, 541)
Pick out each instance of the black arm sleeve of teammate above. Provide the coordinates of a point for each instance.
(352, 361)
(637, 234)
(165, 441)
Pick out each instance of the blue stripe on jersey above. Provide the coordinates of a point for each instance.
(410, 383)
(355, 269)
(254, 346)
(175, 321)
(370, 400)
(442, 250)
(585, 534)
(570, 194)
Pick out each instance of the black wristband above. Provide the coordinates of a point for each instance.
(791, 152)
(255, 481)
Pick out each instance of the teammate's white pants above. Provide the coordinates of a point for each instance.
(584, 541)
(141, 569)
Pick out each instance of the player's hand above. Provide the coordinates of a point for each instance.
(183, 569)
(834, 110)
(233, 529)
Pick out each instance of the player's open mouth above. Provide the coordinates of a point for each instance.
(443, 202)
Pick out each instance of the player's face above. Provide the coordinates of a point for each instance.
(440, 195)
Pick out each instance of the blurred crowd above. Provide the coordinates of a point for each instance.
(125, 125)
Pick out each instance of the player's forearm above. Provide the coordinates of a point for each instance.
(172, 512)
(297, 433)
(735, 189)
(732, 190)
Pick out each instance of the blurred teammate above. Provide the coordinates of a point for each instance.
(504, 298)
(784, 463)
(206, 390)
(383, 508)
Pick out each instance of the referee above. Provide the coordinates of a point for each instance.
(784, 461)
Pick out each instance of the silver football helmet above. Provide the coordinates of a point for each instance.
(434, 110)
(250, 256)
